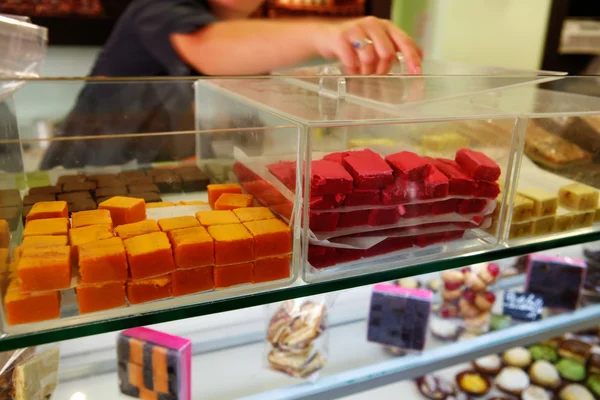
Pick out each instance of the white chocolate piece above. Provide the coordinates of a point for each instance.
(544, 203)
(563, 223)
(578, 196)
(543, 226)
(522, 209)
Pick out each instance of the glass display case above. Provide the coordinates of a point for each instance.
(135, 202)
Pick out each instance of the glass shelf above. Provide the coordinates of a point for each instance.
(354, 365)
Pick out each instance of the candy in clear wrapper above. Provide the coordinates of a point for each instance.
(297, 337)
(30, 373)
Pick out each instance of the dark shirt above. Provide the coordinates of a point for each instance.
(139, 46)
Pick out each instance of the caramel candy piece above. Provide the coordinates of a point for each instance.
(92, 217)
(48, 209)
(271, 268)
(520, 230)
(41, 227)
(522, 209)
(146, 290)
(544, 203)
(271, 237)
(231, 201)
(136, 229)
(193, 280)
(232, 275)
(149, 255)
(215, 191)
(583, 219)
(223, 217)
(249, 214)
(45, 268)
(101, 296)
(124, 210)
(578, 196)
(87, 234)
(192, 247)
(543, 226)
(23, 308)
(170, 224)
(103, 261)
(233, 244)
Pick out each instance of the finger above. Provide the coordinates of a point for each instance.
(384, 46)
(408, 48)
(367, 54)
(346, 54)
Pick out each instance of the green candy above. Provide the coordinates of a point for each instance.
(571, 369)
(593, 383)
(499, 322)
(543, 352)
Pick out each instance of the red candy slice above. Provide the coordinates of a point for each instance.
(395, 193)
(415, 210)
(471, 206)
(488, 190)
(389, 245)
(409, 165)
(445, 206)
(436, 184)
(323, 222)
(321, 257)
(478, 165)
(326, 202)
(461, 184)
(362, 198)
(285, 172)
(329, 177)
(368, 169)
(353, 218)
(387, 216)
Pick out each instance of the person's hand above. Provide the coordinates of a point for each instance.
(367, 46)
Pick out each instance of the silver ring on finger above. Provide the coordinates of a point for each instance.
(362, 43)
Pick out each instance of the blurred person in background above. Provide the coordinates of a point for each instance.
(158, 38)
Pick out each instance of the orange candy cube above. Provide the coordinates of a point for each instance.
(42, 227)
(87, 234)
(103, 296)
(223, 217)
(231, 201)
(136, 229)
(146, 290)
(215, 191)
(170, 224)
(253, 214)
(160, 204)
(103, 261)
(44, 241)
(271, 268)
(23, 308)
(232, 275)
(48, 209)
(124, 210)
(233, 244)
(4, 234)
(149, 255)
(271, 237)
(194, 280)
(45, 268)
(92, 217)
(192, 247)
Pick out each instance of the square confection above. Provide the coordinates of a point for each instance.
(170, 224)
(87, 234)
(74, 196)
(79, 187)
(103, 261)
(249, 214)
(65, 179)
(578, 196)
(127, 231)
(138, 180)
(215, 191)
(233, 275)
(544, 203)
(48, 209)
(194, 181)
(149, 255)
(4, 234)
(399, 316)
(460, 184)
(522, 208)
(41, 227)
(323, 221)
(111, 191)
(233, 244)
(36, 375)
(384, 216)
(543, 226)
(131, 174)
(31, 199)
(487, 189)
(231, 201)
(362, 198)
(82, 205)
(436, 184)
(410, 166)
(271, 237)
(148, 197)
(23, 308)
(194, 280)
(100, 296)
(45, 190)
(45, 268)
(329, 177)
(168, 183)
(223, 217)
(10, 198)
(162, 361)
(563, 223)
(145, 290)
(192, 247)
(44, 241)
(349, 219)
(285, 172)
(558, 280)
(124, 210)
(368, 169)
(92, 217)
(143, 188)
(478, 165)
(272, 268)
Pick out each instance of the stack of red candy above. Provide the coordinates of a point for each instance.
(409, 199)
